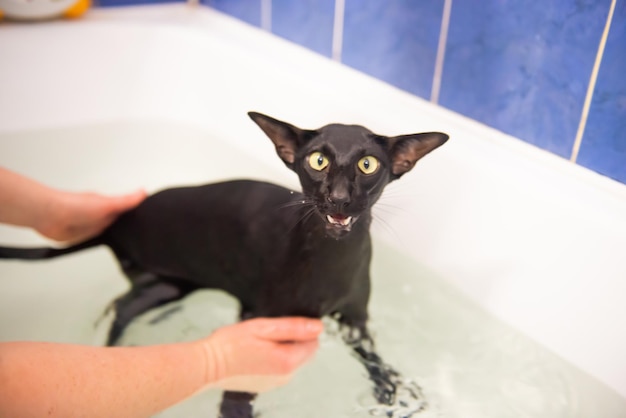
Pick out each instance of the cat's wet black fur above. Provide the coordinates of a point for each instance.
(279, 252)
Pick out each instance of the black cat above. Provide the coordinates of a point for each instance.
(280, 253)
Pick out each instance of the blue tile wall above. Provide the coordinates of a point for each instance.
(603, 148)
(520, 66)
(305, 22)
(523, 66)
(394, 40)
(247, 10)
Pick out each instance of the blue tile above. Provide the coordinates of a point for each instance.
(394, 40)
(247, 10)
(603, 147)
(115, 3)
(523, 66)
(306, 22)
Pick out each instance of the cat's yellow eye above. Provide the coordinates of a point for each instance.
(318, 161)
(368, 165)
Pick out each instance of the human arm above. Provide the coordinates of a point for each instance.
(57, 214)
(62, 380)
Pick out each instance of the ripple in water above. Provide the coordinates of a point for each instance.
(455, 359)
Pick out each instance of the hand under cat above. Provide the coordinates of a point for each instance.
(259, 354)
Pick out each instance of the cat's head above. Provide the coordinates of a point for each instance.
(343, 169)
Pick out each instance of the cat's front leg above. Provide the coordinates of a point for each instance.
(401, 397)
(383, 376)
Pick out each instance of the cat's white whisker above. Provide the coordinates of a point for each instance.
(390, 208)
(297, 203)
(306, 215)
(384, 225)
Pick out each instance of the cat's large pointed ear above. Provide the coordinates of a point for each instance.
(286, 137)
(406, 150)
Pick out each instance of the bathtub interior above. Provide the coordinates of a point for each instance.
(467, 362)
(498, 264)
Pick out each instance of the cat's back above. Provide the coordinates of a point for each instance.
(183, 225)
(185, 209)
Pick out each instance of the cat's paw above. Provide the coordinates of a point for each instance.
(404, 399)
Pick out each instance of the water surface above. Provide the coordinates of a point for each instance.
(469, 364)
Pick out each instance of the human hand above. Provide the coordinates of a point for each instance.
(56, 214)
(259, 354)
(74, 217)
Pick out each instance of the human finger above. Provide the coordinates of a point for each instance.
(286, 329)
(126, 202)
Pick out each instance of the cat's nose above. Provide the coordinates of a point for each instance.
(339, 197)
(338, 202)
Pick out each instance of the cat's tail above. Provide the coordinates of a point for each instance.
(41, 253)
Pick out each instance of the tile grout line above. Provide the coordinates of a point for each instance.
(441, 51)
(340, 7)
(592, 85)
(266, 15)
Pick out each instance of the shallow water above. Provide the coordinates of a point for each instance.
(468, 363)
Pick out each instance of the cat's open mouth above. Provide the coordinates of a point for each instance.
(339, 220)
(338, 225)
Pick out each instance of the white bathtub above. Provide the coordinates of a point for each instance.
(534, 240)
